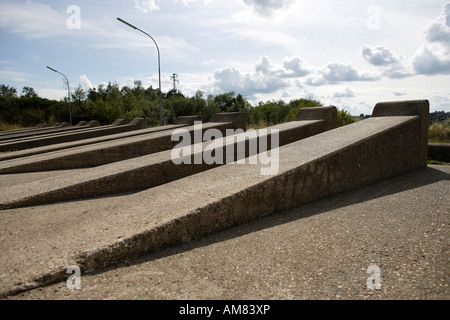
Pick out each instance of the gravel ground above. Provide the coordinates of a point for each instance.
(317, 251)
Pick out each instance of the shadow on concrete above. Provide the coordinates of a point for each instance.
(405, 182)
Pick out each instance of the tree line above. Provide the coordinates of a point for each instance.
(107, 103)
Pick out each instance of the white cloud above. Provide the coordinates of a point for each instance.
(146, 6)
(8, 74)
(391, 64)
(338, 72)
(296, 67)
(347, 93)
(34, 20)
(85, 83)
(249, 84)
(431, 63)
(266, 8)
(434, 56)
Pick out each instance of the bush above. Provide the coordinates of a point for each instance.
(439, 132)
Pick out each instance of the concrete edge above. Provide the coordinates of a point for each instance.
(239, 119)
(439, 152)
(420, 108)
(328, 114)
(188, 120)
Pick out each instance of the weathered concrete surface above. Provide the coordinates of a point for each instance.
(45, 131)
(156, 169)
(103, 153)
(317, 251)
(92, 130)
(60, 146)
(439, 152)
(40, 242)
(419, 108)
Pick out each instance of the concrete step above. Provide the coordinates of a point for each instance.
(39, 243)
(156, 169)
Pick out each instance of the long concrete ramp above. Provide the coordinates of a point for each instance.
(179, 122)
(156, 169)
(85, 132)
(39, 244)
(46, 131)
(108, 152)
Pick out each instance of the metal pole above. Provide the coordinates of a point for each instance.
(159, 65)
(68, 92)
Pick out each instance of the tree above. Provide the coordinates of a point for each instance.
(29, 92)
(344, 118)
(7, 91)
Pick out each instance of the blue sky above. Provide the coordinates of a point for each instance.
(347, 53)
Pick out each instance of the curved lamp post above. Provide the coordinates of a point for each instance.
(68, 92)
(159, 65)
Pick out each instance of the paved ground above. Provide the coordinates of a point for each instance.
(317, 251)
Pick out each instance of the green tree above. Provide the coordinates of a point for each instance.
(7, 91)
(344, 118)
(28, 92)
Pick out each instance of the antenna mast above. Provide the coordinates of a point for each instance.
(174, 77)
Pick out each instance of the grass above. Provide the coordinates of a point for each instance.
(438, 162)
(439, 132)
(5, 126)
(260, 125)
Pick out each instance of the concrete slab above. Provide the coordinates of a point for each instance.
(86, 132)
(317, 251)
(154, 169)
(44, 131)
(41, 242)
(105, 152)
(60, 146)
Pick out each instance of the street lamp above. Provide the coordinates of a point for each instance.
(159, 65)
(68, 92)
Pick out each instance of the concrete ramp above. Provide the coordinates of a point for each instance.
(108, 152)
(89, 130)
(40, 243)
(62, 127)
(189, 120)
(156, 169)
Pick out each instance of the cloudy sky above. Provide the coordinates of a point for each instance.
(347, 53)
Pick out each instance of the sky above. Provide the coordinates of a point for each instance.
(348, 53)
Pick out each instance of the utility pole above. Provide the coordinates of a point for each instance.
(174, 77)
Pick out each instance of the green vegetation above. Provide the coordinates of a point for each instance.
(439, 132)
(107, 103)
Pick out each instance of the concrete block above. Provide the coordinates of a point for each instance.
(329, 114)
(93, 124)
(439, 152)
(90, 130)
(55, 146)
(188, 119)
(120, 122)
(138, 123)
(420, 108)
(239, 119)
(104, 153)
(101, 232)
(155, 169)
